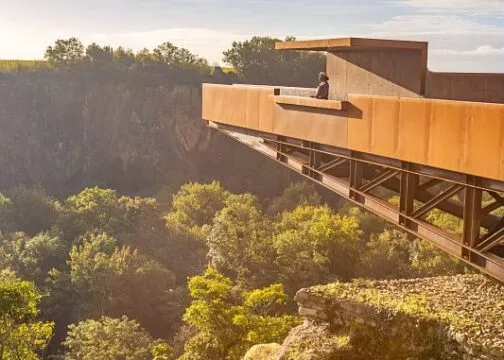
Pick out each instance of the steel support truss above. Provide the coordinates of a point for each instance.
(408, 195)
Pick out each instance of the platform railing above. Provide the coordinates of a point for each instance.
(466, 137)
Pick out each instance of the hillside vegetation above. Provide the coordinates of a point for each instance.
(106, 260)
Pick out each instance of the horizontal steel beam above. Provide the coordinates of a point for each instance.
(354, 188)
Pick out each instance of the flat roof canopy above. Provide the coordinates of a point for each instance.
(350, 44)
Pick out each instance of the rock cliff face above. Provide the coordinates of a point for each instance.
(67, 130)
(458, 317)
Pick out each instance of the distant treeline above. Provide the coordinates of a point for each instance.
(254, 60)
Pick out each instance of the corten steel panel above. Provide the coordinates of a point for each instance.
(224, 104)
(485, 141)
(377, 72)
(337, 68)
(385, 126)
(266, 110)
(252, 107)
(360, 122)
(494, 91)
(466, 137)
(357, 75)
(349, 44)
(466, 87)
(318, 125)
(449, 121)
(413, 130)
(248, 107)
(381, 85)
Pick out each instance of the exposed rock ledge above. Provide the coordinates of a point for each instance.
(455, 317)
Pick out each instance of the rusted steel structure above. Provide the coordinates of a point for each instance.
(433, 142)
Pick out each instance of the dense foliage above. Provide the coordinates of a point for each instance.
(71, 52)
(257, 60)
(226, 329)
(115, 267)
(22, 336)
(109, 338)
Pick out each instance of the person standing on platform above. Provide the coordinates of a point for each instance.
(323, 87)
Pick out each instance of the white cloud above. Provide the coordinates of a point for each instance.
(456, 43)
(475, 6)
(423, 25)
(484, 50)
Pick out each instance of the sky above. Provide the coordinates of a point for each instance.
(464, 35)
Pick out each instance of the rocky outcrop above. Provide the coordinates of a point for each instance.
(456, 317)
(262, 352)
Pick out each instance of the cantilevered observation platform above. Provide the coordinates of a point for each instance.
(390, 127)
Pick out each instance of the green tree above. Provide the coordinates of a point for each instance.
(109, 338)
(145, 56)
(65, 52)
(120, 281)
(313, 245)
(22, 336)
(102, 210)
(240, 242)
(96, 54)
(33, 210)
(167, 53)
(124, 57)
(258, 62)
(33, 257)
(429, 261)
(388, 255)
(445, 221)
(6, 214)
(227, 328)
(369, 223)
(296, 194)
(194, 207)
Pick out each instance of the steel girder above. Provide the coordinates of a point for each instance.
(403, 193)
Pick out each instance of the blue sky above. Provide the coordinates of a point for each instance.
(464, 35)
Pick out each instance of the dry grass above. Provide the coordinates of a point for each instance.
(14, 65)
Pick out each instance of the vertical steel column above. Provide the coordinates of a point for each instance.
(280, 149)
(314, 161)
(472, 220)
(408, 186)
(356, 175)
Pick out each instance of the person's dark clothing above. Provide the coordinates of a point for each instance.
(322, 91)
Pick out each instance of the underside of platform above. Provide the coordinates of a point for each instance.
(401, 192)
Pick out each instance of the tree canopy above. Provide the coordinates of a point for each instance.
(120, 281)
(65, 52)
(22, 335)
(68, 53)
(258, 62)
(226, 330)
(108, 338)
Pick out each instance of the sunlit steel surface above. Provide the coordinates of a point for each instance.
(389, 128)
